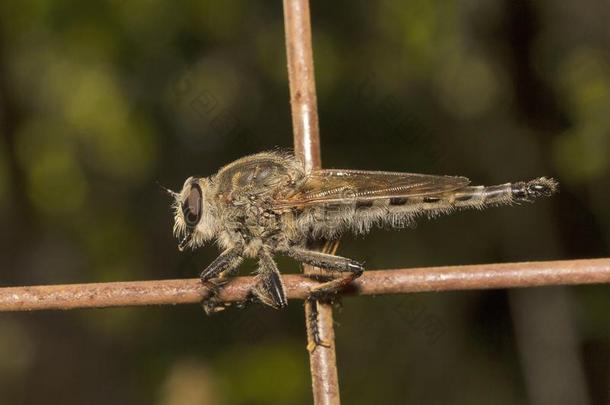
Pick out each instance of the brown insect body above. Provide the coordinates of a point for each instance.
(265, 204)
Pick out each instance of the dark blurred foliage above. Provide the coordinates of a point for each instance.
(100, 99)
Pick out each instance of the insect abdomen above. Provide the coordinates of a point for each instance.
(329, 220)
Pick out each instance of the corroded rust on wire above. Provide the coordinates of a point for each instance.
(303, 102)
(379, 282)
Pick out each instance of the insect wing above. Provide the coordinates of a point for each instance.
(344, 186)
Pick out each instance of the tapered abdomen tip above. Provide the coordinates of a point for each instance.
(542, 187)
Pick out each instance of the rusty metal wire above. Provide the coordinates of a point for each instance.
(299, 53)
(372, 282)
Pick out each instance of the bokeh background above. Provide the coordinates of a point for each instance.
(101, 99)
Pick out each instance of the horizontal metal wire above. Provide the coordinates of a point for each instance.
(392, 281)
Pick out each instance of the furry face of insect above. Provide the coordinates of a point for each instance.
(194, 221)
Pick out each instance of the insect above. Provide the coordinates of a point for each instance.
(266, 204)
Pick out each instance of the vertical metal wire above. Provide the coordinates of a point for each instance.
(322, 359)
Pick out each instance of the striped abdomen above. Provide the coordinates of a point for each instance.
(329, 220)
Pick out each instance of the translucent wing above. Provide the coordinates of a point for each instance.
(343, 186)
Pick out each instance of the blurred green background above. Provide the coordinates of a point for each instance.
(100, 99)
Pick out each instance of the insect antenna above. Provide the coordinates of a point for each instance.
(167, 190)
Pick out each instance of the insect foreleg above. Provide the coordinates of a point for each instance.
(217, 274)
(229, 259)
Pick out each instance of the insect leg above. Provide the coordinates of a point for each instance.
(217, 274)
(269, 288)
(315, 329)
(230, 258)
(326, 261)
(330, 265)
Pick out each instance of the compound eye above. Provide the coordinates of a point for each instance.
(191, 208)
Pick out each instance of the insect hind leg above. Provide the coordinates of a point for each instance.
(341, 269)
(329, 264)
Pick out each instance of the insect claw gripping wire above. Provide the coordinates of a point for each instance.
(316, 340)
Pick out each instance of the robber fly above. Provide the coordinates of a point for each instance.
(267, 204)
